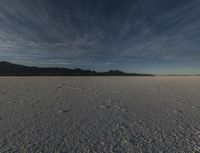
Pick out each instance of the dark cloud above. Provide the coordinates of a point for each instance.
(100, 34)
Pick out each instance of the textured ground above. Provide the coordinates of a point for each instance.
(99, 114)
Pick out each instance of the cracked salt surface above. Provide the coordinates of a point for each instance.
(99, 114)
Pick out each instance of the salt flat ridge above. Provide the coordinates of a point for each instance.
(99, 114)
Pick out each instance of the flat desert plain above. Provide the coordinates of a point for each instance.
(99, 114)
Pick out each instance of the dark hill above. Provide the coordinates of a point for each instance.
(9, 69)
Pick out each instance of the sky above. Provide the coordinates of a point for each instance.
(146, 36)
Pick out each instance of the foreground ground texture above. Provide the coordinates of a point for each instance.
(99, 114)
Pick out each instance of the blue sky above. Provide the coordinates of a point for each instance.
(154, 36)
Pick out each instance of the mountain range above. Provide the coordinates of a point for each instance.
(10, 69)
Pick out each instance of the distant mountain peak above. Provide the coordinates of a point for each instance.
(5, 62)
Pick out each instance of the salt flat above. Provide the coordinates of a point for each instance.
(99, 114)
